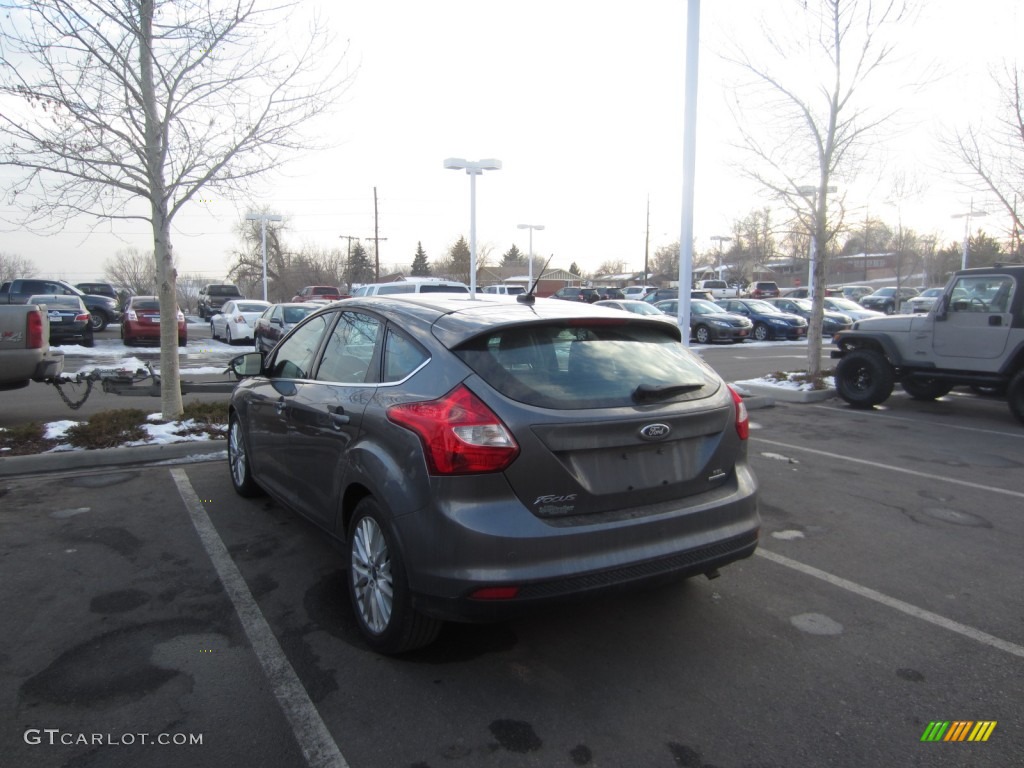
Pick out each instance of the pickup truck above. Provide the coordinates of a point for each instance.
(719, 289)
(103, 309)
(25, 348)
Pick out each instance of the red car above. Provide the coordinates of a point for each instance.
(141, 322)
(328, 292)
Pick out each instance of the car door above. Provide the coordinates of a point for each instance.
(269, 404)
(977, 318)
(325, 413)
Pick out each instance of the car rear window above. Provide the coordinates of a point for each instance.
(224, 290)
(587, 365)
(146, 304)
(427, 288)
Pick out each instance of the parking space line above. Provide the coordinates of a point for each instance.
(900, 470)
(314, 739)
(911, 610)
(1017, 434)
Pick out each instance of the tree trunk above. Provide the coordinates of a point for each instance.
(166, 277)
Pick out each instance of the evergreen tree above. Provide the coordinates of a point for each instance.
(574, 269)
(513, 257)
(458, 260)
(360, 269)
(420, 265)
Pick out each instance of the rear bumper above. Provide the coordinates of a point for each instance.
(460, 550)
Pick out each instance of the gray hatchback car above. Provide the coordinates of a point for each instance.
(480, 456)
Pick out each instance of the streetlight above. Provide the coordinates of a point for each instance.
(473, 168)
(530, 227)
(813, 246)
(721, 239)
(263, 218)
(967, 229)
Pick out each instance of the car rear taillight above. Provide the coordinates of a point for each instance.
(130, 314)
(742, 419)
(460, 434)
(80, 318)
(34, 331)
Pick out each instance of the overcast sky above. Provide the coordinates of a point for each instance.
(582, 102)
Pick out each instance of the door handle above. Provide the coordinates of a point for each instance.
(338, 416)
(280, 406)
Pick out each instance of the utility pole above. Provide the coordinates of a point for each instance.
(376, 239)
(647, 242)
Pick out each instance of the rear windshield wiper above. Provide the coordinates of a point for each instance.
(662, 391)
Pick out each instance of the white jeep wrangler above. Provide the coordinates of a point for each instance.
(973, 335)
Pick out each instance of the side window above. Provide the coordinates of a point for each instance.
(402, 356)
(349, 349)
(294, 359)
(982, 294)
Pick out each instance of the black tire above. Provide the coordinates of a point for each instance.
(926, 389)
(702, 334)
(864, 378)
(88, 338)
(98, 320)
(183, 341)
(238, 462)
(761, 332)
(213, 331)
(227, 335)
(378, 587)
(890, 308)
(1015, 396)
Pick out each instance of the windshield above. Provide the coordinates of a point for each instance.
(640, 308)
(763, 307)
(698, 307)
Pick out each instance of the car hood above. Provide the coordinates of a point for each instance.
(887, 323)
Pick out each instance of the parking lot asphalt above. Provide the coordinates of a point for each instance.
(885, 596)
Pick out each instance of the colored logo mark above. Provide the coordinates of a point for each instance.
(958, 730)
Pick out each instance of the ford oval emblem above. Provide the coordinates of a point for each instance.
(655, 431)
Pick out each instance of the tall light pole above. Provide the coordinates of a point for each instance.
(530, 227)
(721, 239)
(967, 229)
(473, 168)
(263, 218)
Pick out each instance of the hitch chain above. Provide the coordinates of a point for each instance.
(110, 378)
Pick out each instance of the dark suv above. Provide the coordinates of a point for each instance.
(213, 296)
(575, 293)
(477, 458)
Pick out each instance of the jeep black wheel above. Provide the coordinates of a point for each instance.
(864, 378)
(1015, 396)
(926, 389)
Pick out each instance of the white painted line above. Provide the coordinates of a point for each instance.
(911, 610)
(900, 470)
(314, 739)
(1016, 434)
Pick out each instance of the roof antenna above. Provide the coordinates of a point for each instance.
(528, 297)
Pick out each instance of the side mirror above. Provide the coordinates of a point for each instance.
(277, 321)
(249, 364)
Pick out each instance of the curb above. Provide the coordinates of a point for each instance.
(62, 461)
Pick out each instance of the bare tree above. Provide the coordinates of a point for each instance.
(127, 110)
(995, 156)
(132, 270)
(12, 267)
(806, 117)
